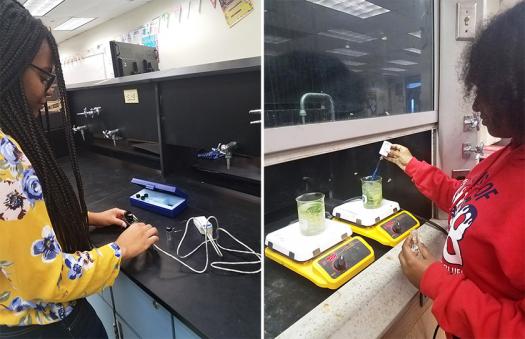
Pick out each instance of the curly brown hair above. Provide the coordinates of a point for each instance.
(494, 67)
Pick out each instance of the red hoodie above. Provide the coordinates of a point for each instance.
(478, 288)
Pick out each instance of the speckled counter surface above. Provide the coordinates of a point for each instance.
(367, 305)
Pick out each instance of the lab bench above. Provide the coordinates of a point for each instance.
(155, 296)
(368, 305)
(288, 296)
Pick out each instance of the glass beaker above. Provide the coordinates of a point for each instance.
(372, 191)
(310, 209)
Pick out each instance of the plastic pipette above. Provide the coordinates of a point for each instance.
(374, 175)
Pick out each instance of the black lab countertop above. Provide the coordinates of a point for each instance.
(215, 304)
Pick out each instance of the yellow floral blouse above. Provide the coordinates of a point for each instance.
(38, 282)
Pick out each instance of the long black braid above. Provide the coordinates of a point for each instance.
(21, 36)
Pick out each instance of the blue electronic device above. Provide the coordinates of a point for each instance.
(159, 198)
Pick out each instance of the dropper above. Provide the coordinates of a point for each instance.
(385, 148)
(374, 175)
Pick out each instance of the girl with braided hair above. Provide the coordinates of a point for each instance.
(47, 262)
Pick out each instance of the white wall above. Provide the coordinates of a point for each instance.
(452, 106)
(200, 38)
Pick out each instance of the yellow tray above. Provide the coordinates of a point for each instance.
(356, 249)
(379, 231)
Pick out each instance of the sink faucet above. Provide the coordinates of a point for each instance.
(255, 111)
(467, 149)
(112, 135)
(471, 122)
(80, 129)
(227, 150)
(91, 112)
(302, 111)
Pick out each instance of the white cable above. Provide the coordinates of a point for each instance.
(250, 251)
(216, 245)
(183, 263)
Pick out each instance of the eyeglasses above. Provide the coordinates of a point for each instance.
(49, 77)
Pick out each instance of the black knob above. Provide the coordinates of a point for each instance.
(143, 197)
(396, 228)
(137, 195)
(146, 195)
(340, 263)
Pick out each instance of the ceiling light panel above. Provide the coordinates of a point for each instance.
(413, 50)
(347, 35)
(41, 7)
(73, 24)
(359, 8)
(274, 39)
(271, 52)
(417, 34)
(393, 69)
(353, 63)
(403, 62)
(347, 52)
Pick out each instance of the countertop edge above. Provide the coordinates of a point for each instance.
(347, 312)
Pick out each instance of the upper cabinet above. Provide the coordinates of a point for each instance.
(333, 60)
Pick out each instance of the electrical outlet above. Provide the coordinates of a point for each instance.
(460, 174)
(131, 96)
(466, 20)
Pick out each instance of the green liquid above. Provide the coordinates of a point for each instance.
(372, 194)
(311, 217)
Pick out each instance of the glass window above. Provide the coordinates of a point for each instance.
(331, 60)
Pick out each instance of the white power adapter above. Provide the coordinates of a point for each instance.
(205, 228)
(203, 225)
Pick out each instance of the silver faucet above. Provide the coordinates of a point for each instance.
(302, 111)
(255, 111)
(80, 129)
(91, 112)
(227, 150)
(468, 149)
(471, 122)
(113, 135)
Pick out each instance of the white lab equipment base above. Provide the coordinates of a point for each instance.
(292, 243)
(354, 212)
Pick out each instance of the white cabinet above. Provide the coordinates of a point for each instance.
(104, 312)
(145, 315)
(126, 332)
(138, 314)
(182, 331)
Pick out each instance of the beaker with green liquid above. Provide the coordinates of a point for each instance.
(310, 209)
(372, 189)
